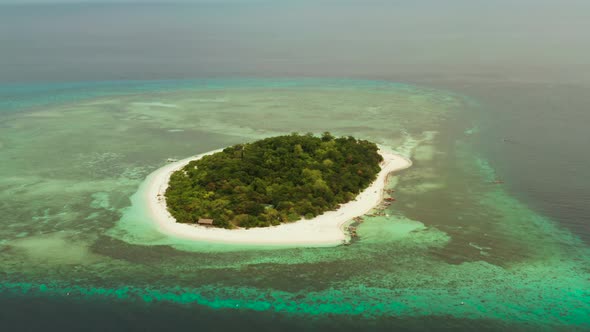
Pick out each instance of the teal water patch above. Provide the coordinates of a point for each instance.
(531, 233)
(14, 97)
(452, 243)
(476, 299)
(389, 228)
(472, 131)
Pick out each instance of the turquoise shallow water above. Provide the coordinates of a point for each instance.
(455, 249)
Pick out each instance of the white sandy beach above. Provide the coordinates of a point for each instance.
(324, 230)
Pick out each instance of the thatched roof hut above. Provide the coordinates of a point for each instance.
(205, 222)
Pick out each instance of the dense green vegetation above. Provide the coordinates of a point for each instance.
(274, 180)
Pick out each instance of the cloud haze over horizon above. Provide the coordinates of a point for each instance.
(15, 2)
(524, 39)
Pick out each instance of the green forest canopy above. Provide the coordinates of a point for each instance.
(273, 180)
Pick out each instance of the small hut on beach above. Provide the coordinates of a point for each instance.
(205, 222)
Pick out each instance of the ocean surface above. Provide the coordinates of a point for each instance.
(490, 230)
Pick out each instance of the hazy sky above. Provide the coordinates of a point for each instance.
(128, 1)
(12, 2)
(507, 39)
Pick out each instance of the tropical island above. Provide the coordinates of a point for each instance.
(272, 181)
(235, 192)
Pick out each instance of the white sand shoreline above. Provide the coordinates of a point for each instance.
(324, 230)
